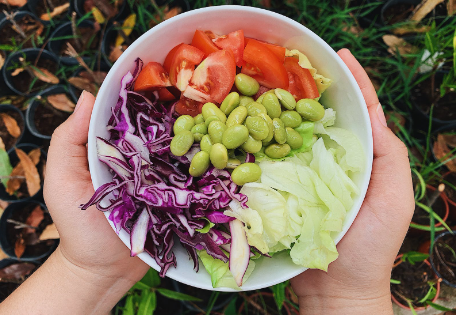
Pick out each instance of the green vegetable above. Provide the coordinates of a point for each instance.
(244, 100)
(199, 164)
(210, 109)
(280, 134)
(230, 102)
(294, 139)
(258, 127)
(246, 85)
(184, 122)
(199, 119)
(235, 136)
(291, 118)
(206, 144)
(181, 143)
(270, 126)
(310, 109)
(246, 173)
(306, 130)
(216, 130)
(219, 156)
(272, 105)
(252, 145)
(233, 163)
(237, 116)
(210, 119)
(254, 109)
(277, 151)
(285, 98)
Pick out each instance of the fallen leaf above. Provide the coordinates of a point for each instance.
(99, 76)
(17, 271)
(3, 255)
(83, 84)
(172, 12)
(108, 10)
(56, 12)
(16, 71)
(450, 140)
(397, 44)
(61, 102)
(15, 3)
(44, 75)
(11, 125)
(451, 7)
(2, 61)
(115, 54)
(411, 28)
(423, 9)
(265, 3)
(50, 233)
(34, 219)
(14, 183)
(32, 177)
(2, 144)
(127, 28)
(98, 16)
(19, 247)
(443, 153)
(15, 100)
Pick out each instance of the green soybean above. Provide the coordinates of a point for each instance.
(270, 126)
(294, 139)
(291, 118)
(285, 98)
(310, 109)
(233, 163)
(211, 119)
(280, 134)
(254, 109)
(199, 164)
(206, 143)
(235, 136)
(272, 105)
(219, 156)
(199, 128)
(181, 143)
(258, 127)
(252, 145)
(216, 130)
(260, 99)
(237, 116)
(246, 173)
(244, 100)
(199, 119)
(184, 122)
(246, 85)
(230, 102)
(210, 109)
(277, 151)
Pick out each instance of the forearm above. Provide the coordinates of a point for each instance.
(58, 286)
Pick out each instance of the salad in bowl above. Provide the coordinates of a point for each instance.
(224, 154)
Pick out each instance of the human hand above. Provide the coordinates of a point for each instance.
(359, 279)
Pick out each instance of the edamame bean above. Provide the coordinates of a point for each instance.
(184, 122)
(277, 151)
(260, 99)
(206, 143)
(291, 118)
(294, 139)
(199, 131)
(246, 85)
(233, 163)
(258, 127)
(310, 109)
(219, 156)
(246, 173)
(230, 102)
(216, 130)
(285, 98)
(235, 136)
(199, 164)
(199, 119)
(244, 100)
(211, 119)
(252, 145)
(181, 143)
(254, 109)
(272, 105)
(210, 109)
(270, 126)
(237, 116)
(280, 134)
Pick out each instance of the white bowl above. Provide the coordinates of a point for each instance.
(343, 95)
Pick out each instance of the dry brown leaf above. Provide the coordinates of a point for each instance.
(56, 12)
(44, 75)
(32, 177)
(2, 61)
(398, 44)
(443, 153)
(99, 76)
(34, 219)
(14, 183)
(451, 7)
(17, 271)
(2, 144)
(423, 9)
(61, 102)
(15, 3)
(410, 29)
(11, 125)
(50, 233)
(3, 255)
(108, 10)
(83, 84)
(19, 247)
(450, 140)
(16, 71)
(172, 12)
(115, 54)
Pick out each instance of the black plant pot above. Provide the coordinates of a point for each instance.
(124, 9)
(433, 260)
(31, 110)
(6, 288)
(447, 128)
(5, 108)
(17, 16)
(109, 38)
(56, 42)
(30, 55)
(26, 147)
(8, 247)
(74, 92)
(32, 6)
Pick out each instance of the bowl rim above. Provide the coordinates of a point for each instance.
(92, 153)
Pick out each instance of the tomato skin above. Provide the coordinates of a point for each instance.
(304, 81)
(202, 41)
(187, 106)
(277, 50)
(273, 72)
(169, 58)
(165, 95)
(234, 42)
(152, 76)
(182, 66)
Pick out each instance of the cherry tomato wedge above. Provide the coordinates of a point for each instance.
(273, 72)
(165, 95)
(187, 106)
(234, 42)
(304, 81)
(182, 66)
(213, 78)
(151, 77)
(202, 41)
(278, 51)
(169, 58)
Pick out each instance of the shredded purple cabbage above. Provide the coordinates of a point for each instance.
(152, 185)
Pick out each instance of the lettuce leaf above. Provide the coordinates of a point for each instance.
(5, 167)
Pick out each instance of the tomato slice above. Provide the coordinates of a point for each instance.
(152, 76)
(234, 42)
(304, 85)
(183, 64)
(213, 78)
(273, 72)
(169, 58)
(277, 50)
(202, 41)
(187, 106)
(165, 95)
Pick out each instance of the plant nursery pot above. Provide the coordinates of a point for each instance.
(20, 84)
(26, 147)
(6, 31)
(258, 299)
(40, 9)
(8, 234)
(398, 302)
(109, 41)
(443, 268)
(39, 126)
(76, 92)
(451, 193)
(396, 11)
(17, 115)
(14, 275)
(123, 9)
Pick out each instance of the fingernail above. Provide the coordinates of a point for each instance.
(381, 115)
(81, 99)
